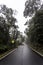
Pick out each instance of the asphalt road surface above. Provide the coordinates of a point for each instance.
(22, 56)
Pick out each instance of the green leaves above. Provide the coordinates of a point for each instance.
(31, 6)
(8, 28)
(35, 29)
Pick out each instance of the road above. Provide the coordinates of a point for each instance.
(22, 56)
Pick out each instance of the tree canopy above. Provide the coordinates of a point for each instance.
(34, 30)
(8, 28)
(31, 6)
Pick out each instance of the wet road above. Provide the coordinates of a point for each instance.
(22, 56)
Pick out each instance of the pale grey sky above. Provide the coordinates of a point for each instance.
(19, 6)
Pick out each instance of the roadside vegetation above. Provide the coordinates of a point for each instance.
(9, 34)
(34, 30)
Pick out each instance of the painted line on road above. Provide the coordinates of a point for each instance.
(7, 54)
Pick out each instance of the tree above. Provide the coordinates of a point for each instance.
(35, 29)
(31, 6)
(7, 24)
(10, 20)
(4, 35)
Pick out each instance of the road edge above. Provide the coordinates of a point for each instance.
(8, 54)
(36, 51)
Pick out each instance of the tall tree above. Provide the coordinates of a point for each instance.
(10, 20)
(31, 6)
(7, 24)
(35, 29)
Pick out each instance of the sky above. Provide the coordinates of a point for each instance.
(18, 5)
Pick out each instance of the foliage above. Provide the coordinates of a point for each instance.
(35, 29)
(31, 6)
(8, 28)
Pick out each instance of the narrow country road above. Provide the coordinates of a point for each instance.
(22, 56)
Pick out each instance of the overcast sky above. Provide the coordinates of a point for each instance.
(19, 6)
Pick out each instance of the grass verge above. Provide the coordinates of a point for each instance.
(38, 50)
(5, 53)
